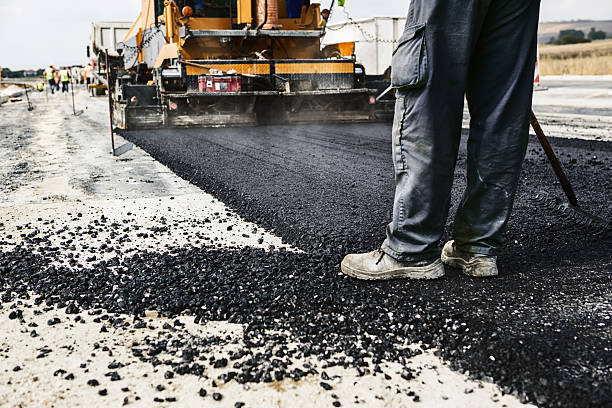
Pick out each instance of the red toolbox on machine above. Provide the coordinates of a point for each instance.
(217, 83)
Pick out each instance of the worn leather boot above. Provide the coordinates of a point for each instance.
(377, 265)
(477, 265)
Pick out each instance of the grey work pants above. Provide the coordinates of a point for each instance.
(485, 50)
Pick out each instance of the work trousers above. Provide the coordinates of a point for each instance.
(52, 85)
(65, 86)
(485, 50)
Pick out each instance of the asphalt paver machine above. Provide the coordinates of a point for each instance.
(238, 62)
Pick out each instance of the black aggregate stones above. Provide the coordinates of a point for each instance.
(547, 316)
(325, 386)
(329, 191)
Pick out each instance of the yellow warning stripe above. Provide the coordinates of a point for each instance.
(281, 68)
(315, 68)
(253, 69)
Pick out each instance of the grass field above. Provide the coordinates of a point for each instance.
(594, 58)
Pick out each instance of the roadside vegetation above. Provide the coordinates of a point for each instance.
(590, 58)
(572, 36)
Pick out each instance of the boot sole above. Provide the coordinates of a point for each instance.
(431, 271)
(465, 267)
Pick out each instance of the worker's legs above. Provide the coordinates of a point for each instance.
(65, 87)
(433, 57)
(499, 93)
(52, 85)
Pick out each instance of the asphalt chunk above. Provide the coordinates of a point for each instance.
(325, 386)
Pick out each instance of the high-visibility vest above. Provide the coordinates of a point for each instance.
(88, 71)
(49, 73)
(64, 75)
(40, 86)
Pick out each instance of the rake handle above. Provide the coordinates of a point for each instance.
(554, 161)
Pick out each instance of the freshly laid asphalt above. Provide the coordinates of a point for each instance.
(543, 329)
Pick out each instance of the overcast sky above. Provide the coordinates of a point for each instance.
(36, 33)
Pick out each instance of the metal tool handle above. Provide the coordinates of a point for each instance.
(554, 161)
(110, 101)
(30, 107)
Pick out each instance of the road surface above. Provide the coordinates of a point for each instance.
(239, 233)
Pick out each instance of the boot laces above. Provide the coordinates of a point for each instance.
(381, 255)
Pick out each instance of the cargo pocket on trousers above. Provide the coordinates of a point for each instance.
(409, 62)
(399, 161)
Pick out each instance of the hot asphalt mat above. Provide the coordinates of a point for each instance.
(542, 330)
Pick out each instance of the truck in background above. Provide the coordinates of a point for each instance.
(104, 35)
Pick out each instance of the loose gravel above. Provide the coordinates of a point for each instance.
(542, 331)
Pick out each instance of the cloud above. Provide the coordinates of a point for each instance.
(559, 10)
(37, 33)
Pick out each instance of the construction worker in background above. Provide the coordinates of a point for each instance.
(57, 80)
(65, 78)
(40, 86)
(87, 73)
(50, 77)
(485, 50)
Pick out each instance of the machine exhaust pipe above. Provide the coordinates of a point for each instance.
(267, 14)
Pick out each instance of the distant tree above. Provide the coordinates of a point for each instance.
(572, 33)
(570, 37)
(596, 35)
(8, 73)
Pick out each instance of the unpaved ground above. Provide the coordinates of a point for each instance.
(70, 213)
(57, 368)
(573, 107)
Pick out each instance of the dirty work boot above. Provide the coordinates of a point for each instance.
(377, 265)
(477, 265)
